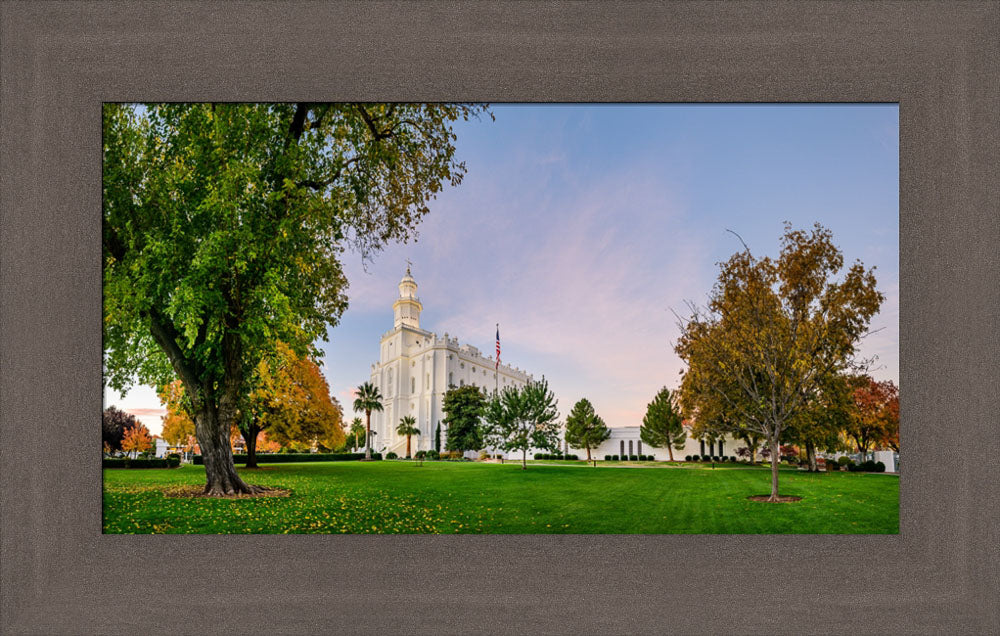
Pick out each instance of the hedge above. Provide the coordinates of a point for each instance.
(128, 462)
(284, 458)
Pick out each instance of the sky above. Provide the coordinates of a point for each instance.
(582, 229)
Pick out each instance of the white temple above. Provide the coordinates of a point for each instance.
(416, 367)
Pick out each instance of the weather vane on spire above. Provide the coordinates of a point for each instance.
(408, 265)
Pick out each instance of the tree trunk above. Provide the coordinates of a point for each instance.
(220, 471)
(811, 455)
(368, 435)
(588, 453)
(775, 460)
(252, 432)
(524, 459)
(407, 447)
(670, 450)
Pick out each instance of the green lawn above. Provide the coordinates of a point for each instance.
(455, 497)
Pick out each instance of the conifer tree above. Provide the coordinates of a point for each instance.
(585, 428)
(662, 426)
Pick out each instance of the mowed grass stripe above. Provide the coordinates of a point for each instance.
(447, 497)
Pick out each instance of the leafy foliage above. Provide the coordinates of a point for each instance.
(585, 428)
(223, 228)
(114, 424)
(178, 426)
(876, 416)
(137, 440)
(291, 400)
(520, 418)
(773, 332)
(463, 407)
(662, 426)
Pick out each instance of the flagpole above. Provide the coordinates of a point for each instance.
(496, 374)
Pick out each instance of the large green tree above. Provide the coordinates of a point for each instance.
(773, 332)
(368, 398)
(520, 418)
(585, 428)
(662, 426)
(463, 407)
(223, 226)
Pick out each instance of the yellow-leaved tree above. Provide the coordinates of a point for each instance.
(291, 400)
(772, 335)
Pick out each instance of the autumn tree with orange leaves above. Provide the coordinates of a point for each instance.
(291, 400)
(178, 427)
(137, 440)
(876, 415)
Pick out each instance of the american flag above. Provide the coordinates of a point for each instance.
(498, 346)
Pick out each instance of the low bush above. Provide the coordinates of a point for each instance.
(633, 458)
(284, 458)
(687, 458)
(420, 454)
(705, 458)
(732, 458)
(141, 462)
(391, 455)
(614, 458)
(607, 458)
(844, 460)
(879, 467)
(433, 454)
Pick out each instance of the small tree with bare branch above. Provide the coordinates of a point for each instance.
(772, 332)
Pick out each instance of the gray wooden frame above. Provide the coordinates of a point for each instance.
(59, 61)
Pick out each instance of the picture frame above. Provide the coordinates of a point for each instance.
(60, 574)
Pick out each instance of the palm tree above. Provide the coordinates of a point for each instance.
(408, 426)
(369, 399)
(356, 430)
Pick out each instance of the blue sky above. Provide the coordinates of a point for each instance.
(579, 228)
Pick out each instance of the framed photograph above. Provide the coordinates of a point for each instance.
(506, 318)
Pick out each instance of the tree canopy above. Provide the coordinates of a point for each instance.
(875, 419)
(773, 331)
(223, 229)
(520, 418)
(114, 425)
(463, 407)
(291, 400)
(585, 428)
(662, 426)
(178, 427)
